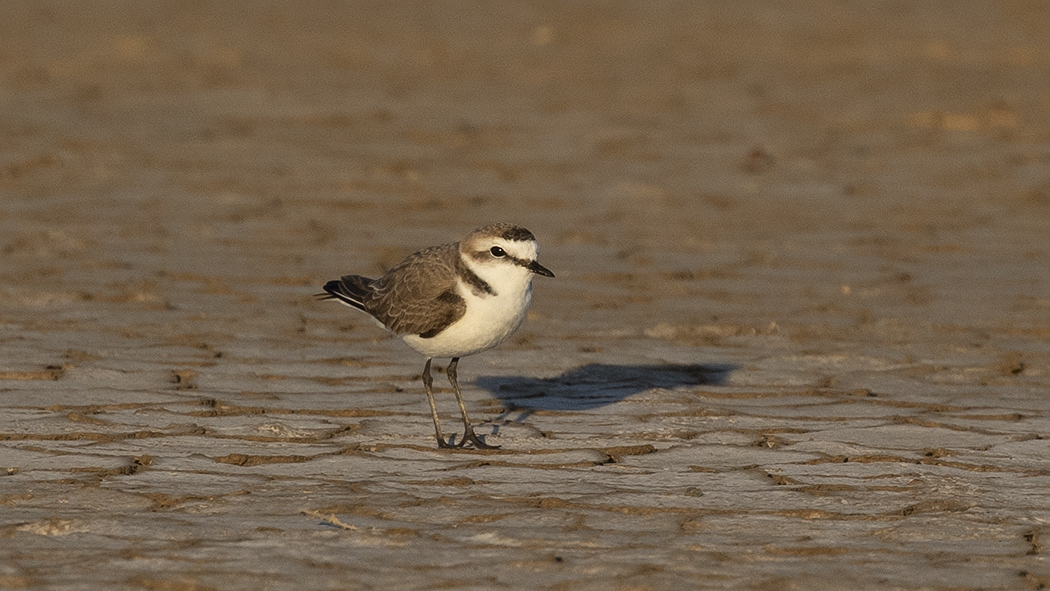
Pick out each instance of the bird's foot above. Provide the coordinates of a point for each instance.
(470, 437)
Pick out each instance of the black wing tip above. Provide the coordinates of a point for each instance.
(331, 291)
(336, 290)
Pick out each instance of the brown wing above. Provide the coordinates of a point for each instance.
(419, 295)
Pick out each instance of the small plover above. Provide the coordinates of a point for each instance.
(452, 300)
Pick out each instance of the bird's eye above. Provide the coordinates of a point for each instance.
(498, 252)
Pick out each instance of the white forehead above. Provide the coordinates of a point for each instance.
(521, 249)
(516, 241)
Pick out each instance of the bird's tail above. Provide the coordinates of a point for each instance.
(350, 290)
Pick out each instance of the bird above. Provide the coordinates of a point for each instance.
(451, 301)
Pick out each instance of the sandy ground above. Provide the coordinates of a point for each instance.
(799, 336)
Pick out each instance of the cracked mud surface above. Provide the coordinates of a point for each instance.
(799, 336)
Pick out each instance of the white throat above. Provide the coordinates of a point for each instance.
(507, 278)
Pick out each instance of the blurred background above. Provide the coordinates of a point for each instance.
(831, 162)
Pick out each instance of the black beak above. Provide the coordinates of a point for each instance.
(539, 269)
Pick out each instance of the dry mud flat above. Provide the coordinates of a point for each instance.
(799, 337)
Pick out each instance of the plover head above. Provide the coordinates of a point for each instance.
(503, 255)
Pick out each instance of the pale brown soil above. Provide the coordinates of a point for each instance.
(799, 336)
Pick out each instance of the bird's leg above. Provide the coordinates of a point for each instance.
(468, 431)
(428, 384)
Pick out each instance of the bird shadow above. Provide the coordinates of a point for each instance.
(596, 384)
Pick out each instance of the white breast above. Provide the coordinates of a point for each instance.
(488, 321)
